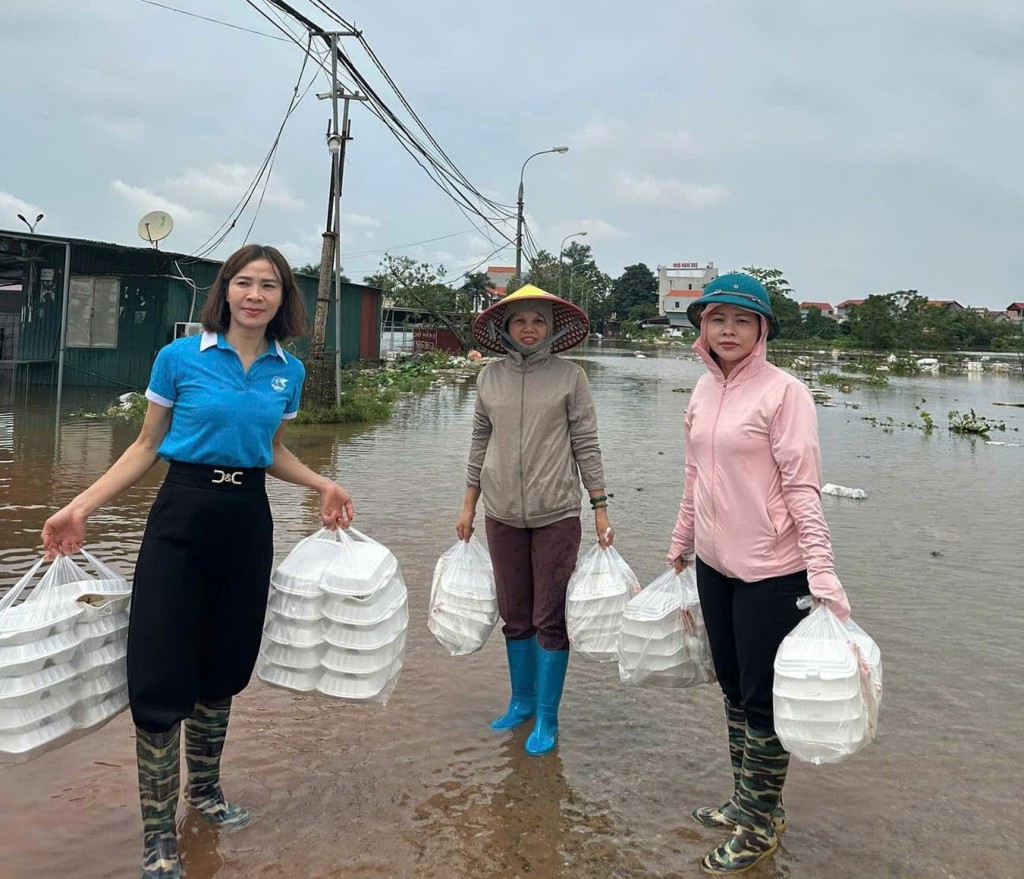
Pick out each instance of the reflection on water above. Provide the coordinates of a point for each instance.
(423, 789)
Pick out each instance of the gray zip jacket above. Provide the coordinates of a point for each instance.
(534, 437)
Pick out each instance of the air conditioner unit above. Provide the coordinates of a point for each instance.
(187, 328)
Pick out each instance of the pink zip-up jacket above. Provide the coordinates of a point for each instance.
(751, 505)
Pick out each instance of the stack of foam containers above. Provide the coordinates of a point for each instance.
(663, 642)
(337, 619)
(62, 657)
(827, 688)
(595, 599)
(463, 600)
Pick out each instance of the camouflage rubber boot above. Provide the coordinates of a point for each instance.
(158, 756)
(205, 732)
(726, 814)
(765, 763)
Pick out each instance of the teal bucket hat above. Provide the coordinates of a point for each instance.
(741, 290)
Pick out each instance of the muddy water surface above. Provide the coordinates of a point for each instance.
(422, 788)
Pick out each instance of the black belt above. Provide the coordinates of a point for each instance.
(210, 476)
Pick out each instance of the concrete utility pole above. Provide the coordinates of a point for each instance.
(520, 205)
(330, 253)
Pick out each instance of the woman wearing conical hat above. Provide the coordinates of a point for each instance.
(534, 440)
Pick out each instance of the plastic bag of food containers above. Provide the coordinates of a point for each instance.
(663, 642)
(827, 688)
(337, 619)
(463, 601)
(595, 598)
(62, 656)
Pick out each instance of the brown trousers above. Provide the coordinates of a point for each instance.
(532, 567)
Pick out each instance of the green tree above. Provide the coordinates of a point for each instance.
(892, 320)
(637, 286)
(477, 289)
(418, 285)
(784, 306)
(586, 285)
(817, 326)
(543, 272)
(313, 268)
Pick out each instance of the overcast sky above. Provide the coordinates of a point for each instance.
(861, 147)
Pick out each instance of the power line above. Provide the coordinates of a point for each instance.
(443, 173)
(218, 236)
(236, 27)
(410, 244)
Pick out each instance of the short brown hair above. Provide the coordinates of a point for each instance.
(290, 320)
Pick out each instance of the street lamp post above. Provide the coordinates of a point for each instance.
(31, 226)
(519, 207)
(561, 250)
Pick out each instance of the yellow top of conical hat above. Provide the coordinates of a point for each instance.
(567, 316)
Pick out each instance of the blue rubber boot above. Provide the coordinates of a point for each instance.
(551, 667)
(522, 669)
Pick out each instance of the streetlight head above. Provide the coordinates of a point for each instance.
(334, 142)
(560, 149)
(581, 233)
(39, 218)
(22, 218)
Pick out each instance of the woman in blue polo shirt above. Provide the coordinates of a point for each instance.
(217, 408)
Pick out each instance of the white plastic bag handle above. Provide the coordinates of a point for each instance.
(342, 535)
(105, 572)
(19, 587)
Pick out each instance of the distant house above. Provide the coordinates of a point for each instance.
(998, 316)
(1016, 311)
(845, 308)
(679, 283)
(674, 305)
(499, 276)
(950, 305)
(824, 307)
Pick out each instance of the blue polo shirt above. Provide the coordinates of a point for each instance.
(223, 415)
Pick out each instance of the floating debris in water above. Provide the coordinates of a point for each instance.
(857, 494)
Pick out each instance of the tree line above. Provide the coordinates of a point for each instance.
(899, 320)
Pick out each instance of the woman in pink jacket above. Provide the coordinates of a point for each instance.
(751, 517)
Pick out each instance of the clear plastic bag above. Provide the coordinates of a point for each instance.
(594, 601)
(337, 619)
(62, 656)
(663, 642)
(463, 599)
(827, 688)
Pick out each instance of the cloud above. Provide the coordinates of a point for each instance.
(599, 134)
(11, 206)
(144, 200)
(109, 129)
(365, 226)
(223, 185)
(306, 249)
(619, 135)
(597, 230)
(647, 190)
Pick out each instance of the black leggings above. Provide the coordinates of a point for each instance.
(746, 623)
(200, 592)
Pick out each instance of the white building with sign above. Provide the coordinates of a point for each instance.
(679, 283)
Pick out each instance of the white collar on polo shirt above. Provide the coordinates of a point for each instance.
(209, 340)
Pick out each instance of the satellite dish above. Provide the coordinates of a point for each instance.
(155, 226)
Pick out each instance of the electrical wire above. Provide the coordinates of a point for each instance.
(236, 27)
(229, 223)
(410, 244)
(443, 173)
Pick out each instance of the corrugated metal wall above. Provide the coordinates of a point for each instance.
(153, 297)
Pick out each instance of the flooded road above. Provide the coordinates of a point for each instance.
(932, 562)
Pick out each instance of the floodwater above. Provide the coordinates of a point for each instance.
(422, 788)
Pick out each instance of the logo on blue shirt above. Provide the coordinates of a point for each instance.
(279, 383)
